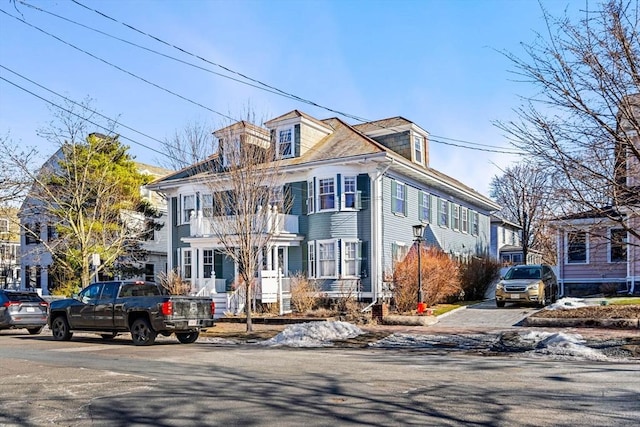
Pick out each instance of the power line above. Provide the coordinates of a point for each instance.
(271, 89)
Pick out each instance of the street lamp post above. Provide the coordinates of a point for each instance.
(418, 230)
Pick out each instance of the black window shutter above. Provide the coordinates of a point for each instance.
(364, 258)
(303, 197)
(363, 189)
(174, 210)
(296, 140)
(338, 195)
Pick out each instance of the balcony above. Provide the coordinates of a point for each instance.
(268, 222)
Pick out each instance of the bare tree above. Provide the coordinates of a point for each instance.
(193, 144)
(582, 124)
(246, 200)
(14, 182)
(523, 192)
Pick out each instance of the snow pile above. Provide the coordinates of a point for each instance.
(453, 342)
(314, 334)
(567, 304)
(559, 345)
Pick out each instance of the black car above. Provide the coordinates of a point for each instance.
(23, 309)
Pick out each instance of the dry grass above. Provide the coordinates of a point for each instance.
(594, 312)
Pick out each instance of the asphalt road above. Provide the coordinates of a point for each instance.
(90, 382)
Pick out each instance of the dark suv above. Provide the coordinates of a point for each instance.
(22, 309)
(533, 284)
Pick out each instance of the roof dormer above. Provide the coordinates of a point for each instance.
(401, 136)
(294, 133)
(237, 136)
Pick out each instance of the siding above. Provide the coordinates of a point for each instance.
(398, 142)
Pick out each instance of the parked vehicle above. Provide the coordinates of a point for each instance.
(140, 308)
(23, 309)
(531, 284)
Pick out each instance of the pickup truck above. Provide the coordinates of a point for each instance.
(141, 308)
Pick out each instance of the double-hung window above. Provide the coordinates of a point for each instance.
(577, 248)
(285, 142)
(349, 192)
(351, 258)
(207, 205)
(617, 245)
(418, 149)
(188, 207)
(207, 263)
(456, 217)
(311, 259)
(398, 198)
(464, 212)
(443, 213)
(186, 263)
(475, 223)
(326, 194)
(425, 207)
(310, 197)
(327, 256)
(399, 250)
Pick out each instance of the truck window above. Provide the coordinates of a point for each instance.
(139, 290)
(109, 290)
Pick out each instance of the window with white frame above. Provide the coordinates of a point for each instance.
(326, 194)
(285, 142)
(188, 207)
(577, 248)
(399, 250)
(475, 223)
(349, 192)
(398, 198)
(186, 264)
(456, 217)
(351, 258)
(425, 207)
(207, 205)
(464, 213)
(310, 197)
(311, 259)
(617, 245)
(443, 213)
(418, 149)
(207, 263)
(231, 151)
(4, 225)
(327, 259)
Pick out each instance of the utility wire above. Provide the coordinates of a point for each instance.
(273, 89)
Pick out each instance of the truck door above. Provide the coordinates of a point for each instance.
(103, 306)
(82, 314)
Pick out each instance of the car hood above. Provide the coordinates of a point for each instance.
(519, 282)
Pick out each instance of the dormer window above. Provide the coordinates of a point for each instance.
(285, 143)
(418, 149)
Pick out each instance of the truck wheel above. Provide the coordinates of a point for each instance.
(142, 333)
(187, 337)
(35, 331)
(60, 329)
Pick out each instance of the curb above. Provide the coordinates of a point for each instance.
(582, 322)
(409, 320)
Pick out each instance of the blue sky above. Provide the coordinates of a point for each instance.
(436, 63)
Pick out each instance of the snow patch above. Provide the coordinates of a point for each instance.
(567, 304)
(314, 334)
(559, 345)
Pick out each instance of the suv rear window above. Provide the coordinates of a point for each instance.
(23, 297)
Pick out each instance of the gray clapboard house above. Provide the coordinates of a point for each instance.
(356, 193)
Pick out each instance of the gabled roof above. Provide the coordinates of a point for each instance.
(376, 125)
(292, 115)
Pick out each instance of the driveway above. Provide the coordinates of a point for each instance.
(485, 316)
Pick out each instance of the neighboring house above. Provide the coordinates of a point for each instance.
(36, 258)
(9, 248)
(506, 243)
(356, 192)
(596, 253)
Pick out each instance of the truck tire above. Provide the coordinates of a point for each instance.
(60, 328)
(187, 337)
(142, 333)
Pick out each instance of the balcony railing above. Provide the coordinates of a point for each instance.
(263, 222)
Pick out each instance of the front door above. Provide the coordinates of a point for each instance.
(103, 306)
(82, 313)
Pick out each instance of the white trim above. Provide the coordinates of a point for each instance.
(184, 220)
(281, 130)
(318, 194)
(343, 206)
(357, 259)
(610, 240)
(311, 196)
(414, 151)
(319, 261)
(566, 247)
